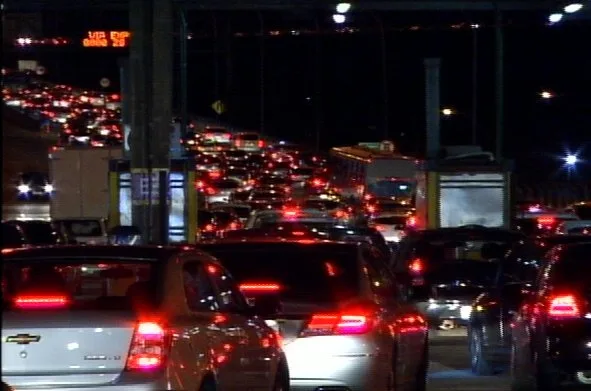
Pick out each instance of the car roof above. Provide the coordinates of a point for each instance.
(280, 243)
(493, 233)
(148, 252)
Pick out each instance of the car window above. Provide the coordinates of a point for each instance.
(381, 280)
(231, 299)
(199, 291)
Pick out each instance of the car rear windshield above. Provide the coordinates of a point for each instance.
(249, 137)
(82, 227)
(86, 284)
(390, 220)
(226, 184)
(40, 232)
(305, 273)
(573, 267)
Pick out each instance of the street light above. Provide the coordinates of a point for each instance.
(572, 8)
(339, 18)
(546, 95)
(555, 18)
(447, 112)
(571, 160)
(343, 8)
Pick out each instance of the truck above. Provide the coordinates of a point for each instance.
(79, 203)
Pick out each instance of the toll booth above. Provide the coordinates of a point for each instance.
(182, 198)
(458, 192)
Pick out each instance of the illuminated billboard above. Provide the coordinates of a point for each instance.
(106, 39)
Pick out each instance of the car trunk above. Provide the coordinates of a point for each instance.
(73, 348)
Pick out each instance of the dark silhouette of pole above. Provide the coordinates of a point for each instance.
(475, 84)
(318, 85)
(183, 35)
(499, 83)
(262, 71)
(384, 62)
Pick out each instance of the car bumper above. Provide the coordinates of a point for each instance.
(151, 385)
(312, 368)
(437, 313)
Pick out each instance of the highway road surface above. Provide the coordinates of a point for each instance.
(450, 367)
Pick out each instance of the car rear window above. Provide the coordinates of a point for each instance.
(390, 220)
(39, 233)
(86, 284)
(248, 137)
(306, 273)
(82, 227)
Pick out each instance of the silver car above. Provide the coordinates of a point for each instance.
(131, 318)
(342, 321)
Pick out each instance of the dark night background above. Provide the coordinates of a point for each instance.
(537, 57)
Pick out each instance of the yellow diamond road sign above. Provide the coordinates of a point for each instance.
(218, 106)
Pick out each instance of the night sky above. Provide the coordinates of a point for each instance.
(538, 57)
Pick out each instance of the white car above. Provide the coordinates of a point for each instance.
(391, 225)
(131, 318)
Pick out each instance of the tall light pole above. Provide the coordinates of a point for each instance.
(475, 28)
(262, 71)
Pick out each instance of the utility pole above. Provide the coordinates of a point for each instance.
(499, 83)
(151, 23)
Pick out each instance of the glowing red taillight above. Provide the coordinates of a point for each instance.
(546, 221)
(564, 306)
(347, 322)
(234, 225)
(40, 302)
(149, 348)
(210, 191)
(209, 228)
(261, 144)
(411, 221)
(416, 266)
(259, 287)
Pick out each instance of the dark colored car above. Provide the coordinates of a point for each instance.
(40, 233)
(552, 327)
(446, 269)
(490, 325)
(33, 186)
(12, 236)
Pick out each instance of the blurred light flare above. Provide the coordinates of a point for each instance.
(343, 8)
(571, 159)
(555, 18)
(339, 18)
(572, 8)
(546, 94)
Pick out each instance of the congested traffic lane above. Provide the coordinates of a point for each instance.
(450, 367)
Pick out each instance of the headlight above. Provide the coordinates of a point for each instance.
(48, 188)
(23, 188)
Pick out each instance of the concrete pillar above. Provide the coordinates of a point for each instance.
(151, 25)
(432, 107)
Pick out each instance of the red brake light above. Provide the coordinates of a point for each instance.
(298, 233)
(210, 191)
(40, 302)
(350, 322)
(290, 212)
(416, 266)
(149, 348)
(215, 174)
(261, 144)
(259, 287)
(411, 221)
(546, 221)
(209, 228)
(317, 182)
(199, 184)
(234, 225)
(564, 306)
(371, 209)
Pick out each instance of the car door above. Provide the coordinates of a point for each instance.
(212, 324)
(387, 295)
(247, 333)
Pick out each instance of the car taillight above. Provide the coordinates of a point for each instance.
(564, 306)
(234, 225)
(40, 302)
(349, 322)
(317, 182)
(546, 221)
(416, 266)
(259, 287)
(371, 209)
(381, 228)
(149, 347)
(290, 212)
(209, 228)
(411, 221)
(199, 185)
(215, 174)
(261, 144)
(210, 191)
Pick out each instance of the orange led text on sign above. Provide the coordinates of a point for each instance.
(105, 39)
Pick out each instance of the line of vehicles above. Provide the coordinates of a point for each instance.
(307, 272)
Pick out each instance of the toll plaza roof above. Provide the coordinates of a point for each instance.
(362, 5)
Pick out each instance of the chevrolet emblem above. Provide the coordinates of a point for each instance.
(23, 339)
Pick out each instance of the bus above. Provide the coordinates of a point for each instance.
(374, 170)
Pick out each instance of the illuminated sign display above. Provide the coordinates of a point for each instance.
(106, 39)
